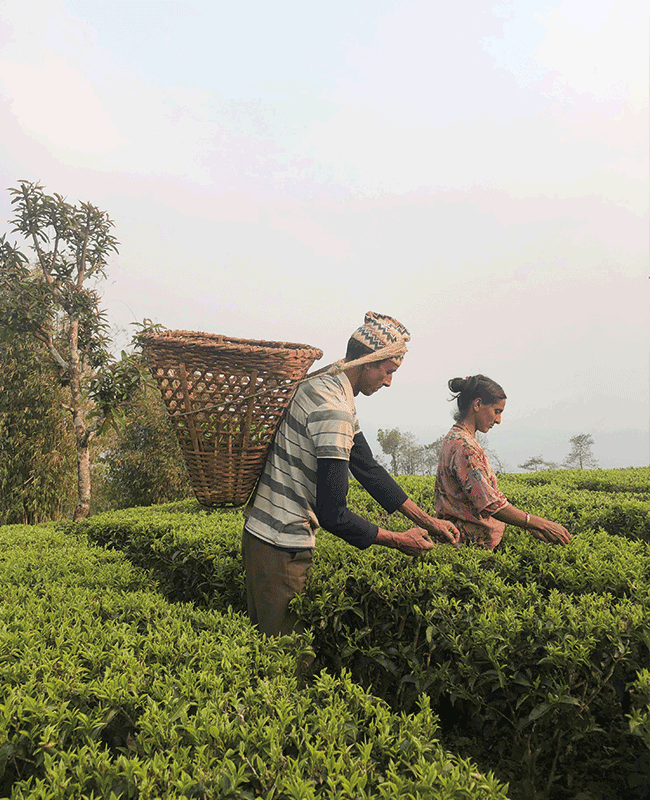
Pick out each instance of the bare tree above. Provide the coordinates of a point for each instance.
(537, 463)
(389, 441)
(431, 456)
(581, 455)
(410, 455)
(497, 464)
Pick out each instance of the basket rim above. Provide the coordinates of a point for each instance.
(221, 341)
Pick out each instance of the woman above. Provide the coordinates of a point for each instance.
(466, 490)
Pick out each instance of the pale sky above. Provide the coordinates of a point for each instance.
(275, 170)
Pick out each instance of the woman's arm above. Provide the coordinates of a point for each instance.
(543, 529)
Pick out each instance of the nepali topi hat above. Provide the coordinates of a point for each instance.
(379, 331)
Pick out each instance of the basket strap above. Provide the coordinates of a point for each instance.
(390, 351)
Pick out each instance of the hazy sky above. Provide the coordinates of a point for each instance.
(275, 170)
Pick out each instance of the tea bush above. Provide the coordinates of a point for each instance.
(533, 656)
(599, 499)
(633, 480)
(194, 553)
(111, 691)
(526, 653)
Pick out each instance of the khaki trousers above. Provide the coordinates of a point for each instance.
(273, 578)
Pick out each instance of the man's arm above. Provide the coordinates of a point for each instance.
(334, 515)
(390, 495)
(332, 511)
(441, 529)
(381, 486)
(413, 542)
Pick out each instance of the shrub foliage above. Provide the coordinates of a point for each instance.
(111, 691)
(131, 669)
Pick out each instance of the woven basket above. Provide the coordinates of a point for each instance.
(225, 398)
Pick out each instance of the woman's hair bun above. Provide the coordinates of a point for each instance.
(457, 385)
(466, 390)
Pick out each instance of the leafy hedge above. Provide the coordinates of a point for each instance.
(633, 480)
(534, 657)
(579, 502)
(640, 717)
(193, 553)
(109, 691)
(618, 513)
(526, 653)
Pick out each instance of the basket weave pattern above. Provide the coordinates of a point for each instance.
(225, 398)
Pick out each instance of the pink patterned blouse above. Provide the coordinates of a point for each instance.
(466, 490)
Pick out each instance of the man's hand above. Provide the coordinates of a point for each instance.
(443, 531)
(413, 542)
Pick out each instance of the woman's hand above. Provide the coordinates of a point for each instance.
(549, 532)
(540, 528)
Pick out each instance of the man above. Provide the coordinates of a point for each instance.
(304, 483)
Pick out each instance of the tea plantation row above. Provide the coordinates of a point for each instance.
(111, 691)
(534, 659)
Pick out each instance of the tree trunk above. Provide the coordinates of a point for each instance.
(82, 509)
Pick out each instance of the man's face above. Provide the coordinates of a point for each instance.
(375, 375)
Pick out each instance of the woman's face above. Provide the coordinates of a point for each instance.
(487, 415)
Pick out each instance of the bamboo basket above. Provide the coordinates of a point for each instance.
(225, 398)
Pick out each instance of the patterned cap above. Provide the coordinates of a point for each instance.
(379, 331)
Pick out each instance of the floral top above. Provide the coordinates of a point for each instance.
(466, 490)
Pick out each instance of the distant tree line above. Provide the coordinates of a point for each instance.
(80, 430)
(404, 455)
(580, 457)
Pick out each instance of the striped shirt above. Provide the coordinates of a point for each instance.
(321, 422)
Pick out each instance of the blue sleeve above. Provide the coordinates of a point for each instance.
(373, 477)
(331, 505)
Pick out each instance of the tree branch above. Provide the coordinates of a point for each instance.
(91, 430)
(30, 213)
(65, 365)
(47, 273)
(81, 263)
